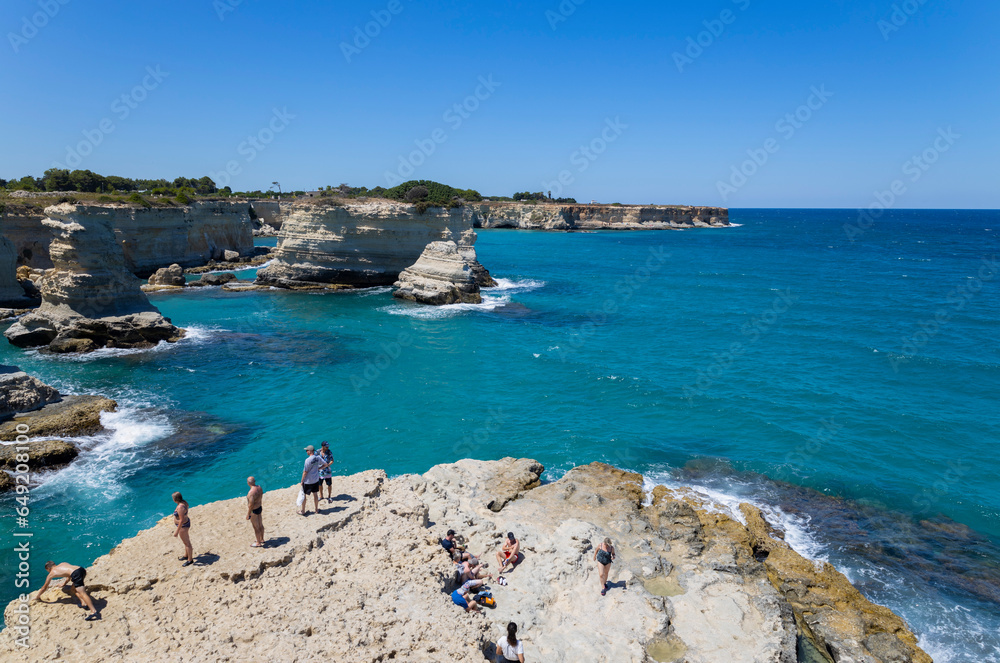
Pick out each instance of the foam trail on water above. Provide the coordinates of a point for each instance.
(108, 457)
(493, 298)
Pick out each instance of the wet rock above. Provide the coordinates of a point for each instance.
(46, 454)
(218, 279)
(73, 416)
(19, 392)
(172, 276)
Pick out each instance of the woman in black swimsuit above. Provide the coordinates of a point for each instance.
(183, 524)
(604, 555)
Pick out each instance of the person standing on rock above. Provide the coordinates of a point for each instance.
(310, 478)
(510, 648)
(604, 555)
(509, 552)
(325, 473)
(72, 574)
(182, 523)
(255, 507)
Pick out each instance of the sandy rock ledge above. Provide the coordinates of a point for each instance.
(366, 580)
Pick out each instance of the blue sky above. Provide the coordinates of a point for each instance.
(612, 98)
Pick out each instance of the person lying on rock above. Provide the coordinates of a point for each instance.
(604, 555)
(72, 574)
(462, 597)
(509, 552)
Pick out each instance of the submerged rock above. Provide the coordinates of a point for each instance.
(446, 273)
(721, 606)
(89, 299)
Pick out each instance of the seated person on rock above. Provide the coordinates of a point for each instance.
(462, 596)
(450, 544)
(509, 552)
(468, 565)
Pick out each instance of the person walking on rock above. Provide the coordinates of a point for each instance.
(182, 523)
(310, 478)
(255, 507)
(325, 473)
(604, 555)
(72, 574)
(509, 552)
(510, 648)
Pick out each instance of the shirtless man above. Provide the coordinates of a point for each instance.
(255, 499)
(75, 575)
(508, 553)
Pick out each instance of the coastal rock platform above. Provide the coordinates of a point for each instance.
(366, 580)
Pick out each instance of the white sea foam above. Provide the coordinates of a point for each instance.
(106, 458)
(493, 298)
(794, 527)
(378, 290)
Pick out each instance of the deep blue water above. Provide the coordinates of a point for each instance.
(849, 386)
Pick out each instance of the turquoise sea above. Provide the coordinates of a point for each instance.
(850, 387)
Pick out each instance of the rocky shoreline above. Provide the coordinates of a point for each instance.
(690, 583)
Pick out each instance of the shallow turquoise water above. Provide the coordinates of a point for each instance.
(778, 350)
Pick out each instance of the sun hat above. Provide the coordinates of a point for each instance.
(310, 448)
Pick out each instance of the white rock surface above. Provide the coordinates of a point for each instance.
(356, 244)
(89, 299)
(557, 216)
(19, 392)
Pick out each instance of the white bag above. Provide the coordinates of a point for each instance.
(302, 498)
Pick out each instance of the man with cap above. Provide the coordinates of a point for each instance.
(310, 478)
(325, 473)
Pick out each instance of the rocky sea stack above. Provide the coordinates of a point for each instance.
(359, 244)
(366, 580)
(446, 273)
(90, 300)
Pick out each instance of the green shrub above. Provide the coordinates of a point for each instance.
(139, 200)
(67, 199)
(105, 199)
(183, 198)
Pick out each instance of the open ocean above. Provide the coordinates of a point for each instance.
(849, 387)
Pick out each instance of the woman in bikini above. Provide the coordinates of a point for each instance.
(604, 555)
(183, 528)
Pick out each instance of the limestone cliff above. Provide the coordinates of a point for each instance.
(446, 273)
(366, 580)
(89, 299)
(149, 237)
(549, 216)
(356, 244)
(11, 292)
